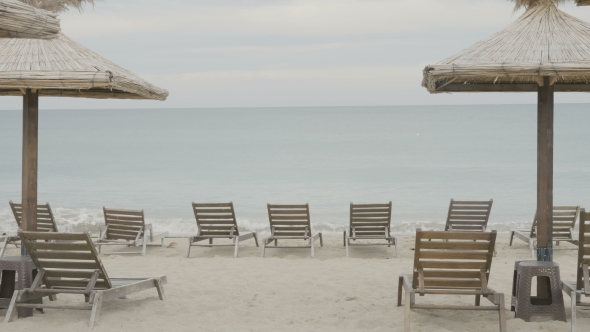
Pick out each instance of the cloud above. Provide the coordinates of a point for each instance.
(290, 18)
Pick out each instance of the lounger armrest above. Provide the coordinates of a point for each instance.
(146, 228)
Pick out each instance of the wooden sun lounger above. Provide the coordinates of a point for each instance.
(290, 221)
(370, 222)
(468, 216)
(564, 221)
(45, 223)
(73, 268)
(452, 263)
(580, 287)
(217, 221)
(127, 228)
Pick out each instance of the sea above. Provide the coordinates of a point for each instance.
(417, 157)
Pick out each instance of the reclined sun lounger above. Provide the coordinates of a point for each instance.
(73, 268)
(470, 216)
(290, 222)
(217, 221)
(370, 222)
(580, 287)
(564, 220)
(45, 223)
(451, 263)
(126, 228)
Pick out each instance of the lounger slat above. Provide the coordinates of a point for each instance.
(382, 205)
(289, 217)
(122, 218)
(50, 254)
(286, 233)
(288, 206)
(449, 255)
(113, 212)
(216, 222)
(66, 264)
(463, 245)
(206, 211)
(452, 265)
(84, 274)
(478, 218)
(215, 216)
(458, 283)
(436, 235)
(374, 210)
(457, 274)
(58, 246)
(212, 205)
(59, 236)
(288, 212)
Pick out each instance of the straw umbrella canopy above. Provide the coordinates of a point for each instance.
(544, 50)
(36, 59)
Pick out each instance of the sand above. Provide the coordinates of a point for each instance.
(289, 291)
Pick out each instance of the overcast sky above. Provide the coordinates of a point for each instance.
(255, 53)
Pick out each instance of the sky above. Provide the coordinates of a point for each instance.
(279, 53)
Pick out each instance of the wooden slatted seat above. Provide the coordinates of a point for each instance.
(127, 228)
(73, 268)
(370, 222)
(564, 221)
(452, 263)
(470, 216)
(45, 222)
(290, 221)
(217, 221)
(580, 287)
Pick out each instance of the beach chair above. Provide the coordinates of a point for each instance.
(564, 220)
(468, 216)
(451, 263)
(73, 268)
(127, 228)
(217, 221)
(580, 287)
(290, 221)
(45, 223)
(370, 222)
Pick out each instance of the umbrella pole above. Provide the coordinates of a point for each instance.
(30, 154)
(545, 171)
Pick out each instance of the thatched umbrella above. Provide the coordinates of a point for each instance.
(543, 51)
(36, 59)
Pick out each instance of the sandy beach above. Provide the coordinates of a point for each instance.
(289, 291)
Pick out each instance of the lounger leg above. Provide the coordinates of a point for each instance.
(344, 238)
(399, 291)
(276, 243)
(160, 289)
(395, 243)
(407, 313)
(346, 243)
(99, 247)
(311, 242)
(11, 312)
(477, 300)
(256, 238)
(574, 302)
(532, 249)
(511, 237)
(143, 249)
(321, 240)
(188, 250)
(163, 242)
(95, 309)
(4, 246)
(263, 247)
(237, 246)
(501, 312)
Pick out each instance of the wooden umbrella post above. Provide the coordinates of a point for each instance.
(545, 171)
(30, 155)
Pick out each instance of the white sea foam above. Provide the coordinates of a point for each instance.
(78, 220)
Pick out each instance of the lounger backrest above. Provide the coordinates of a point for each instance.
(370, 219)
(453, 259)
(66, 264)
(583, 248)
(289, 220)
(45, 220)
(468, 215)
(216, 219)
(564, 220)
(123, 224)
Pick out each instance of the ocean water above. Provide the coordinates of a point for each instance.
(418, 157)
